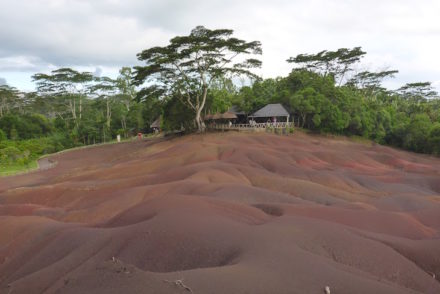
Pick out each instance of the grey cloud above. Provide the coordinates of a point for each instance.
(38, 35)
(3, 82)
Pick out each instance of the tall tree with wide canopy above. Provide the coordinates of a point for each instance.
(418, 91)
(188, 66)
(370, 83)
(337, 63)
(65, 83)
(8, 96)
(106, 88)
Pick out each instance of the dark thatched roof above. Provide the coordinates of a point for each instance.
(228, 115)
(216, 116)
(156, 123)
(271, 110)
(235, 110)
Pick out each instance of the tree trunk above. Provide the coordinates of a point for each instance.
(199, 109)
(303, 120)
(109, 114)
(72, 106)
(199, 125)
(80, 107)
(124, 126)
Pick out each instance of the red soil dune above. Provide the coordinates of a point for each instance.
(224, 213)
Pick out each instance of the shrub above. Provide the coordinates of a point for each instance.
(9, 155)
(3, 136)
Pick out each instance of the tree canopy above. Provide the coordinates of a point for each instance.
(337, 63)
(188, 66)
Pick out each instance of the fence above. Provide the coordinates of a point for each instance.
(252, 126)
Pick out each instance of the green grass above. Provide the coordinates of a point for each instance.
(15, 169)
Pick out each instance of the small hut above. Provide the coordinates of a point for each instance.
(208, 117)
(271, 112)
(216, 116)
(156, 125)
(228, 115)
(240, 115)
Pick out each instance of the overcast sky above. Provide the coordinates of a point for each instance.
(103, 35)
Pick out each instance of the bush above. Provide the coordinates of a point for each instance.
(13, 134)
(434, 139)
(3, 136)
(23, 152)
(25, 126)
(10, 155)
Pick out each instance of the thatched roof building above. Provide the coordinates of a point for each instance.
(228, 115)
(156, 123)
(234, 109)
(271, 110)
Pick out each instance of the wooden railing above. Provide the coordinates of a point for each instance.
(271, 125)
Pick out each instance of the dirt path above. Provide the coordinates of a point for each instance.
(46, 163)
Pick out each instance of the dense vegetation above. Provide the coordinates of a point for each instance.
(323, 92)
(69, 109)
(410, 121)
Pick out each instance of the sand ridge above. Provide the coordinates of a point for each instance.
(224, 213)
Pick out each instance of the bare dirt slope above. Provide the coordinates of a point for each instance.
(224, 213)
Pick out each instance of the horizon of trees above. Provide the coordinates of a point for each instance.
(193, 76)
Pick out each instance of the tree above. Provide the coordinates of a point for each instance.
(3, 136)
(126, 88)
(308, 103)
(188, 66)
(434, 139)
(337, 63)
(65, 83)
(417, 133)
(8, 96)
(418, 91)
(220, 96)
(106, 89)
(127, 94)
(370, 83)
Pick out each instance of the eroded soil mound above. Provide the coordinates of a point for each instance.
(224, 213)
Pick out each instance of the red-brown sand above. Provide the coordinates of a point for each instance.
(224, 213)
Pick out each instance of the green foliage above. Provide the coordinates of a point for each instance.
(3, 136)
(417, 133)
(187, 68)
(434, 138)
(220, 96)
(407, 118)
(177, 116)
(10, 154)
(336, 63)
(14, 154)
(417, 91)
(25, 126)
(247, 101)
